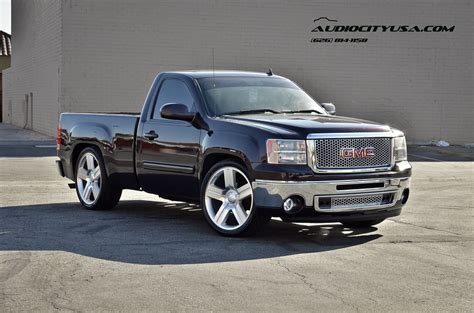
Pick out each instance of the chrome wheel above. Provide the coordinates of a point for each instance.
(229, 198)
(88, 178)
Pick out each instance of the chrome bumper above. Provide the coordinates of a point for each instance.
(272, 193)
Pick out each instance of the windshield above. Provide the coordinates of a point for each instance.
(240, 95)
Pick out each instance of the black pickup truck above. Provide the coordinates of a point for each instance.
(246, 146)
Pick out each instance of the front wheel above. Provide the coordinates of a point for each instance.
(227, 200)
(93, 188)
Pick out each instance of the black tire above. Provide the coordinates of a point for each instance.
(108, 195)
(362, 224)
(255, 220)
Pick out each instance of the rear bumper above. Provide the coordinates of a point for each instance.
(60, 168)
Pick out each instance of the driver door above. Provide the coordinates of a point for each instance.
(168, 149)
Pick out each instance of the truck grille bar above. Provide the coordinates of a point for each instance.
(358, 152)
(354, 202)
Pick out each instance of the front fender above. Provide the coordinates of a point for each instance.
(245, 146)
(242, 146)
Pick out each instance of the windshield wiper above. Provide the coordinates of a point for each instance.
(252, 112)
(303, 111)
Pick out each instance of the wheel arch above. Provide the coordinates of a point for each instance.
(78, 148)
(214, 156)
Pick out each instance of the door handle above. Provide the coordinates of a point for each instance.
(151, 135)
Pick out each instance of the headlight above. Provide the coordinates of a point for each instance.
(400, 149)
(283, 151)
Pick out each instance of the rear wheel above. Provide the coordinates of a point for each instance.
(362, 224)
(227, 200)
(93, 187)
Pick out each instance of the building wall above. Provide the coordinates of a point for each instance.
(418, 82)
(35, 66)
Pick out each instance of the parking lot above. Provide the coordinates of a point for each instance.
(152, 254)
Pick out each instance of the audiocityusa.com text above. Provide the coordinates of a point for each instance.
(328, 26)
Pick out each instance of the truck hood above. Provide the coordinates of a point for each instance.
(303, 124)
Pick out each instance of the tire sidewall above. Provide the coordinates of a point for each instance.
(253, 212)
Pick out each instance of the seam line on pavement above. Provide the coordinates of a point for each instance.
(425, 157)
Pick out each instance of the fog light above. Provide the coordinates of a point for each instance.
(288, 205)
(292, 205)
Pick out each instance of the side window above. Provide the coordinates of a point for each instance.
(173, 91)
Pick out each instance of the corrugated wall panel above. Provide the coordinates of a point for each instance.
(419, 82)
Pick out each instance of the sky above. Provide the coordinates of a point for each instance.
(5, 16)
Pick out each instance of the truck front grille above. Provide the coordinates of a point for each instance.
(328, 154)
(355, 202)
(348, 202)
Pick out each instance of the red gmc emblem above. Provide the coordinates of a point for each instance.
(355, 153)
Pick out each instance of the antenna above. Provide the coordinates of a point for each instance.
(213, 70)
(270, 73)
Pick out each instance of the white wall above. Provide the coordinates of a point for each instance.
(419, 82)
(36, 42)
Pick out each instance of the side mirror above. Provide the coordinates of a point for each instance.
(329, 107)
(176, 111)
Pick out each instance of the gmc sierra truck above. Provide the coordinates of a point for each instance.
(246, 146)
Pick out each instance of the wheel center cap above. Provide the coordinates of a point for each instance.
(232, 196)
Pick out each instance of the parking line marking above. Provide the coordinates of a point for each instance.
(425, 157)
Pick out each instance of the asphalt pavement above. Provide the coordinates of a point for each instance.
(150, 254)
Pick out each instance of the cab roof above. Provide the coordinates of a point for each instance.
(220, 73)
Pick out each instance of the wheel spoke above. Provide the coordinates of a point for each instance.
(88, 178)
(244, 191)
(95, 189)
(87, 191)
(96, 173)
(229, 177)
(90, 161)
(82, 173)
(221, 215)
(239, 214)
(215, 192)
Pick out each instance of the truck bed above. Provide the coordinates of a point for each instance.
(112, 133)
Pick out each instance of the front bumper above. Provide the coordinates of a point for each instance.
(310, 216)
(334, 197)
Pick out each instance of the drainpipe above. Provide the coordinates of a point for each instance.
(31, 110)
(26, 110)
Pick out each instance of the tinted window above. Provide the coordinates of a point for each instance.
(225, 95)
(173, 91)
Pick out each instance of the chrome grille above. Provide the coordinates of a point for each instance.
(327, 153)
(352, 202)
(357, 201)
